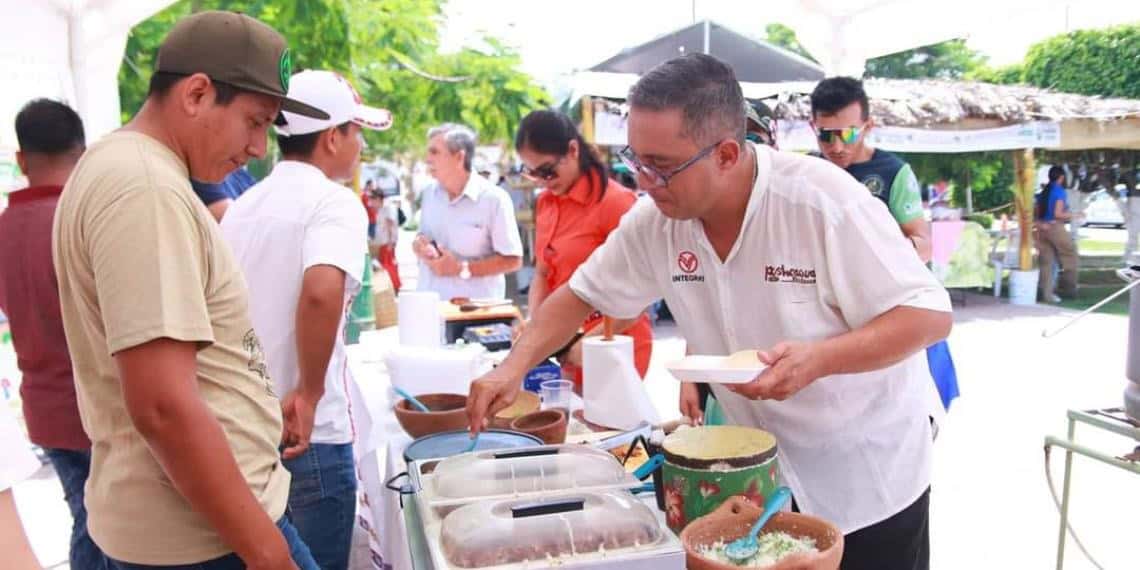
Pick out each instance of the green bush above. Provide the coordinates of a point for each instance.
(984, 220)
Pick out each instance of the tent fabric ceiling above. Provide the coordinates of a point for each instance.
(753, 60)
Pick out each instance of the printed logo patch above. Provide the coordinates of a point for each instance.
(285, 68)
(688, 263)
(875, 184)
(783, 274)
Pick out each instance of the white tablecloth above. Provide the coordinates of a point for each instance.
(379, 448)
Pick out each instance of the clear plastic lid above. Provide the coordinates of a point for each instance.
(493, 533)
(507, 473)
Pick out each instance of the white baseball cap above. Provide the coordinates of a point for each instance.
(333, 94)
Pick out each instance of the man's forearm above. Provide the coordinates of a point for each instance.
(918, 232)
(887, 340)
(318, 323)
(550, 328)
(18, 554)
(495, 265)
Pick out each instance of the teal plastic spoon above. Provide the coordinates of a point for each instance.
(745, 547)
(474, 443)
(412, 400)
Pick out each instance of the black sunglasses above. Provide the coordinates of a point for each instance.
(542, 172)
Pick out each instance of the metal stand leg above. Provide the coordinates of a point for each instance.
(1065, 498)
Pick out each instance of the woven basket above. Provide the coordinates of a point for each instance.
(383, 299)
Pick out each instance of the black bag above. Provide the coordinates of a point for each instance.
(401, 218)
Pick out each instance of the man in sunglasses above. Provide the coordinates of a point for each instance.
(841, 118)
(780, 254)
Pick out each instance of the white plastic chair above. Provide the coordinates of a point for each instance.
(1008, 258)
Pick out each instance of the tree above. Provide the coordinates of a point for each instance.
(951, 59)
(1005, 75)
(387, 48)
(988, 174)
(1089, 62)
(785, 37)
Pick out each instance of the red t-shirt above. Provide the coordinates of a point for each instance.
(568, 229)
(369, 207)
(29, 297)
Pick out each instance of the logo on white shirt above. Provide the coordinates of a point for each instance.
(783, 274)
(688, 263)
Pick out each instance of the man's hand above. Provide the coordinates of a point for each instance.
(791, 367)
(298, 410)
(691, 403)
(446, 265)
(423, 248)
(489, 394)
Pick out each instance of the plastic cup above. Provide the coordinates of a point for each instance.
(556, 395)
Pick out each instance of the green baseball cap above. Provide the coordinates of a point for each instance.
(235, 49)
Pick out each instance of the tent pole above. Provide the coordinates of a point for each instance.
(1026, 173)
(706, 52)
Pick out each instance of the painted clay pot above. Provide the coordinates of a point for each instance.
(547, 425)
(447, 413)
(736, 516)
(704, 466)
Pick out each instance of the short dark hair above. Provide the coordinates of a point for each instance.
(304, 145)
(161, 82)
(703, 87)
(1056, 172)
(834, 94)
(49, 127)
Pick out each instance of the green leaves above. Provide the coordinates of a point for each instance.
(389, 49)
(1089, 62)
(951, 59)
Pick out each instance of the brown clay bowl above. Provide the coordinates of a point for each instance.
(448, 413)
(547, 425)
(736, 516)
(525, 403)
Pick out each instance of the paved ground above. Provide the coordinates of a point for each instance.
(991, 506)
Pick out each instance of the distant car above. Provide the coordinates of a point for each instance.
(1102, 211)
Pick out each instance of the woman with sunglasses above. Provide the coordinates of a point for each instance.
(577, 210)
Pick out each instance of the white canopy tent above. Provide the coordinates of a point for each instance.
(69, 50)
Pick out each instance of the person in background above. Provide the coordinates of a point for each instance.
(760, 124)
(218, 197)
(171, 379)
(841, 118)
(1054, 242)
(388, 236)
(578, 209)
(469, 238)
(300, 238)
(19, 464)
(370, 200)
(51, 139)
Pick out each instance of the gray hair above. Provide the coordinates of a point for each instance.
(704, 88)
(457, 138)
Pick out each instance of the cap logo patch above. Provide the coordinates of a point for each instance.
(285, 68)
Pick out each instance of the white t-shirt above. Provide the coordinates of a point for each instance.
(293, 220)
(818, 256)
(18, 462)
(479, 223)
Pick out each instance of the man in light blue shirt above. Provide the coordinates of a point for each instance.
(468, 234)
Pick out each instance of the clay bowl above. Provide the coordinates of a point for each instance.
(547, 425)
(448, 413)
(525, 403)
(732, 519)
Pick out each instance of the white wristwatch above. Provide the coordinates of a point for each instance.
(464, 270)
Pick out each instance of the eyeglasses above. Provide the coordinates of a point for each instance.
(848, 135)
(655, 177)
(542, 172)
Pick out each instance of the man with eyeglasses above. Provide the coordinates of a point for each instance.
(755, 249)
(841, 118)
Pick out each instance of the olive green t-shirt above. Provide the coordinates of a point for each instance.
(139, 258)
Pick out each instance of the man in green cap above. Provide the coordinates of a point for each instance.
(170, 376)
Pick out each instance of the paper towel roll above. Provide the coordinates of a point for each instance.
(420, 322)
(612, 392)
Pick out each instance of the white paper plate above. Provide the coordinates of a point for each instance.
(704, 368)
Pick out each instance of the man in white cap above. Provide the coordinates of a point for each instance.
(301, 238)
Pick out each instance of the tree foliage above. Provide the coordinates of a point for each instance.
(951, 59)
(389, 49)
(785, 37)
(1089, 62)
(989, 174)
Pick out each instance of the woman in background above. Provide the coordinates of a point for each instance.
(577, 210)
